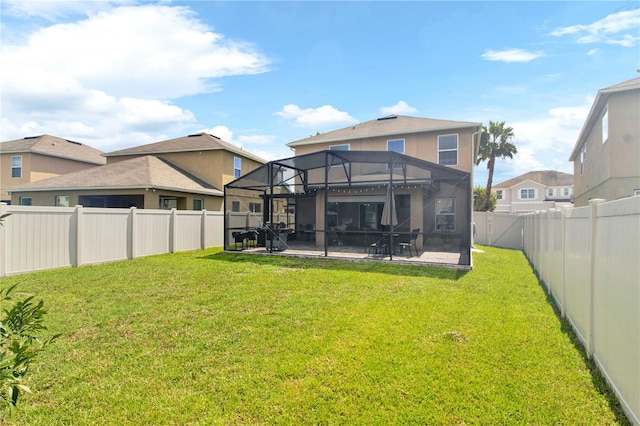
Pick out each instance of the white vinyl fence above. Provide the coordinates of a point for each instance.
(36, 238)
(589, 261)
(498, 230)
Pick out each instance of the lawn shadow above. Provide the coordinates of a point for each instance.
(600, 383)
(345, 265)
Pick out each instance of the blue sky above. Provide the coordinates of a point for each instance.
(115, 74)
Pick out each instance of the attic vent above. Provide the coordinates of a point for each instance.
(194, 135)
(32, 137)
(77, 143)
(388, 117)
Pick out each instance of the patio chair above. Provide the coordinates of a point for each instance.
(372, 245)
(252, 239)
(239, 237)
(412, 242)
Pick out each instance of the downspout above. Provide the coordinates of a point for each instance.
(475, 136)
(393, 204)
(326, 202)
(225, 221)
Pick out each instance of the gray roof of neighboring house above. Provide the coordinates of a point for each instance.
(195, 142)
(146, 172)
(54, 147)
(598, 105)
(385, 126)
(544, 177)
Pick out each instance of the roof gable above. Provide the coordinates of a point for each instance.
(385, 126)
(194, 142)
(53, 146)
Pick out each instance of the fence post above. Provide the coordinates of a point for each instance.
(593, 220)
(488, 228)
(133, 211)
(565, 213)
(203, 230)
(550, 244)
(3, 243)
(78, 214)
(172, 231)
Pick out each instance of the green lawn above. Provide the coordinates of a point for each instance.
(207, 337)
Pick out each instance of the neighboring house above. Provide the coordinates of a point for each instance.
(606, 156)
(40, 157)
(186, 173)
(539, 190)
(449, 143)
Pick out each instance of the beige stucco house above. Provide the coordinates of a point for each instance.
(537, 190)
(450, 143)
(186, 173)
(606, 156)
(35, 158)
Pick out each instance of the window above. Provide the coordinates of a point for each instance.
(16, 167)
(636, 192)
(566, 192)
(237, 167)
(550, 192)
(168, 203)
(25, 201)
(527, 194)
(235, 206)
(62, 201)
(345, 147)
(499, 194)
(605, 124)
(583, 157)
(448, 150)
(254, 207)
(445, 214)
(197, 203)
(396, 145)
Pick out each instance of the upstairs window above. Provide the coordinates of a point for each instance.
(566, 192)
(237, 167)
(448, 150)
(550, 192)
(605, 124)
(527, 194)
(16, 166)
(344, 147)
(396, 145)
(583, 157)
(499, 194)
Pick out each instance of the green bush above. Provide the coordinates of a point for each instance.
(22, 321)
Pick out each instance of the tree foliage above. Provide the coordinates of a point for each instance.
(480, 202)
(22, 321)
(495, 143)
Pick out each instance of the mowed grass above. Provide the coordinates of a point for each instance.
(207, 337)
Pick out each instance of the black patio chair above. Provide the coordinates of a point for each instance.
(239, 237)
(404, 245)
(252, 239)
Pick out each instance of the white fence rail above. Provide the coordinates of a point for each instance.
(37, 238)
(589, 261)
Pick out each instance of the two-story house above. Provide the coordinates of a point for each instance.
(606, 156)
(186, 173)
(342, 182)
(36, 158)
(538, 190)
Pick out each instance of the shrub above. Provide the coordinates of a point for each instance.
(22, 321)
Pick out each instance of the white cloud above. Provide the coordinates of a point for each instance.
(107, 79)
(400, 108)
(316, 118)
(593, 52)
(510, 55)
(139, 59)
(56, 9)
(607, 30)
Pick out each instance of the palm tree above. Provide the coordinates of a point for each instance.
(495, 143)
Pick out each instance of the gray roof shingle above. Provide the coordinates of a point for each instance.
(544, 177)
(54, 147)
(139, 172)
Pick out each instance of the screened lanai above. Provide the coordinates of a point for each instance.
(377, 204)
